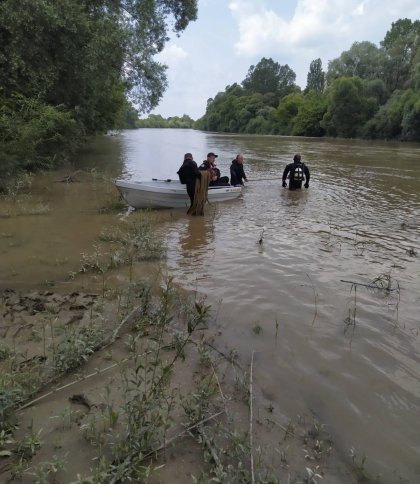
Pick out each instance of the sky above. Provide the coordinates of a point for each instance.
(230, 36)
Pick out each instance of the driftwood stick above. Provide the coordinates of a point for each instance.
(372, 286)
(281, 426)
(38, 399)
(129, 319)
(187, 430)
(250, 420)
(71, 178)
(224, 355)
(315, 298)
(86, 377)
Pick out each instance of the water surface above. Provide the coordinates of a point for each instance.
(350, 357)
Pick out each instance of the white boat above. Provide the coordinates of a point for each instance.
(168, 193)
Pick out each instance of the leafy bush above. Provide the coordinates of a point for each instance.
(36, 134)
(74, 350)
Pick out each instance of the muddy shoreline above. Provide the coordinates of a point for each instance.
(75, 412)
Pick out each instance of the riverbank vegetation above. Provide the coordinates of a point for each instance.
(367, 92)
(157, 121)
(70, 69)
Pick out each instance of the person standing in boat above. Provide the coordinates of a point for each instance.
(237, 173)
(188, 174)
(210, 166)
(298, 172)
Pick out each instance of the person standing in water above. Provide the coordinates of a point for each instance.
(298, 172)
(188, 174)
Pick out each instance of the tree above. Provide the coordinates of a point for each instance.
(348, 108)
(398, 118)
(376, 88)
(307, 122)
(284, 115)
(363, 59)
(270, 77)
(316, 77)
(401, 45)
(75, 62)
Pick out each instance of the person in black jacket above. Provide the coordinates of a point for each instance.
(188, 174)
(237, 173)
(216, 179)
(298, 172)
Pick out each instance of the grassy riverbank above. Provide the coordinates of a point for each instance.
(125, 376)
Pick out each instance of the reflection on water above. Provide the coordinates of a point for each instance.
(359, 219)
(192, 246)
(196, 236)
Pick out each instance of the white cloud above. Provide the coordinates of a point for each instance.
(172, 54)
(231, 35)
(314, 22)
(360, 9)
(311, 29)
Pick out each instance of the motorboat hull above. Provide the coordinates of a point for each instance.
(168, 193)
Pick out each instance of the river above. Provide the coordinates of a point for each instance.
(348, 353)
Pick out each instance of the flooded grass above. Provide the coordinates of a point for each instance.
(32, 208)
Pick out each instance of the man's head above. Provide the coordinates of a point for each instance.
(297, 158)
(240, 159)
(188, 156)
(211, 156)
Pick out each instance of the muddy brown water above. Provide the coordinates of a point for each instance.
(348, 354)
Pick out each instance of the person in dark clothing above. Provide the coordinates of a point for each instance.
(297, 172)
(210, 165)
(188, 174)
(237, 174)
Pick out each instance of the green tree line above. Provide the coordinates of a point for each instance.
(367, 92)
(73, 68)
(157, 121)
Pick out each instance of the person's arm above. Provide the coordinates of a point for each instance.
(285, 173)
(307, 176)
(196, 171)
(243, 176)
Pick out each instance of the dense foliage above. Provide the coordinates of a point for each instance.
(157, 121)
(68, 68)
(368, 91)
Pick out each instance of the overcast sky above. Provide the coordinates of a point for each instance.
(231, 35)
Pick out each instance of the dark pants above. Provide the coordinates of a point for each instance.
(221, 182)
(191, 191)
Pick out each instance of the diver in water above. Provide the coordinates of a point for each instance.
(298, 172)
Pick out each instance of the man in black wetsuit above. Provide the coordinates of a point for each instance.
(298, 172)
(188, 174)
